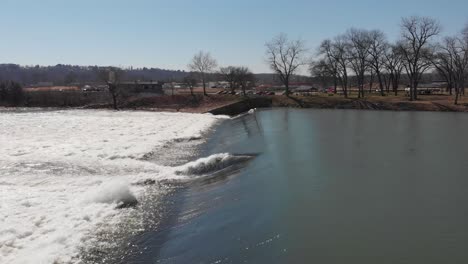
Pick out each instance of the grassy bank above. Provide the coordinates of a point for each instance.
(184, 102)
(374, 102)
(201, 104)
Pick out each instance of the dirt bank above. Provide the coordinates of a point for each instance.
(393, 103)
(213, 102)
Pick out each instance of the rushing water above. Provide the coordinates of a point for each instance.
(325, 186)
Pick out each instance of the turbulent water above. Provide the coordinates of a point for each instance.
(76, 184)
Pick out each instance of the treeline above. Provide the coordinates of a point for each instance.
(362, 53)
(359, 57)
(70, 74)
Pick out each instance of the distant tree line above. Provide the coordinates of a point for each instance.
(69, 74)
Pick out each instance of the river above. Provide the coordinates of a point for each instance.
(325, 186)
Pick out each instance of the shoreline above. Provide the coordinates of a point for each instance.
(234, 104)
(390, 103)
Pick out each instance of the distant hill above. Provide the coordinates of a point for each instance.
(61, 74)
(67, 74)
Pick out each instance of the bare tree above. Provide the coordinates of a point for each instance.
(322, 70)
(459, 49)
(285, 57)
(339, 51)
(237, 77)
(394, 65)
(452, 61)
(190, 81)
(358, 48)
(229, 75)
(244, 78)
(464, 40)
(203, 64)
(415, 47)
(377, 51)
(443, 62)
(112, 76)
(328, 65)
(333, 62)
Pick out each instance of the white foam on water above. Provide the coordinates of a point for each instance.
(62, 173)
(113, 191)
(210, 164)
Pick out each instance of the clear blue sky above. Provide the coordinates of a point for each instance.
(166, 34)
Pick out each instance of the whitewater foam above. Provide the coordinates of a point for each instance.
(64, 173)
(113, 191)
(212, 163)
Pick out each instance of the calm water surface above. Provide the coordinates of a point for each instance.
(327, 186)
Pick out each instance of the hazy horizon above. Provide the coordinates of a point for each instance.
(165, 35)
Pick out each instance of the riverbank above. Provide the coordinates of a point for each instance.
(236, 104)
(229, 104)
(436, 103)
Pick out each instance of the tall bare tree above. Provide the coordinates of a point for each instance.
(444, 64)
(459, 51)
(203, 64)
(339, 51)
(415, 47)
(328, 65)
(284, 57)
(358, 48)
(333, 62)
(377, 51)
(394, 65)
(464, 40)
(451, 61)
